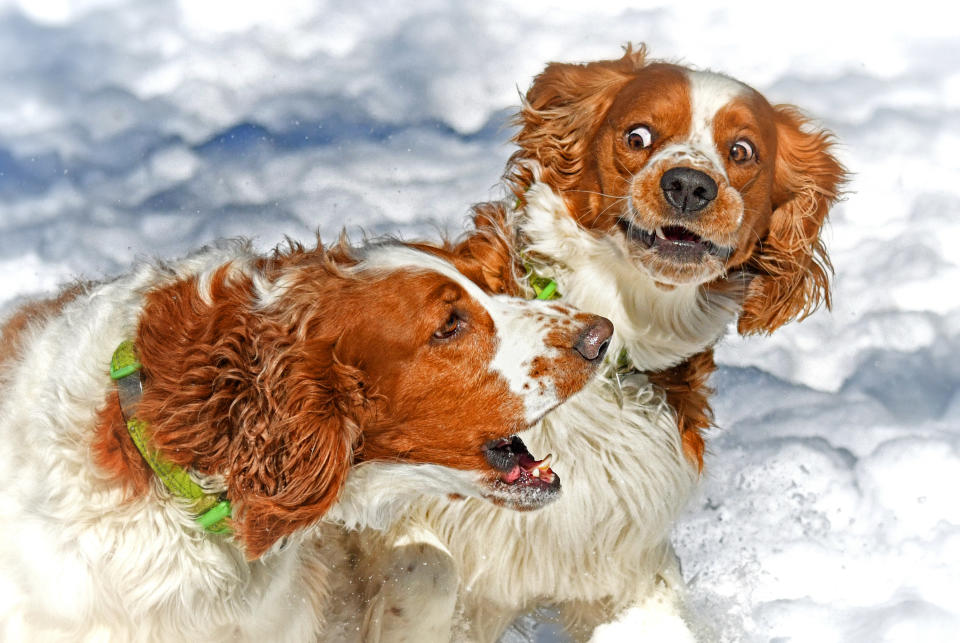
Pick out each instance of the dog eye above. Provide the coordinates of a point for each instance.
(741, 151)
(449, 327)
(639, 137)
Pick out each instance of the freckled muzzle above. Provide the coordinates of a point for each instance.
(683, 220)
(575, 344)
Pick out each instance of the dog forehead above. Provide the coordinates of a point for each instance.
(399, 257)
(709, 93)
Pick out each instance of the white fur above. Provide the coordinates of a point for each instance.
(709, 93)
(604, 544)
(78, 562)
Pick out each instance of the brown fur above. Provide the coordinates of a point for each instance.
(685, 386)
(114, 452)
(486, 254)
(791, 262)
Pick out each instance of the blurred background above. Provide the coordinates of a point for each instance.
(828, 510)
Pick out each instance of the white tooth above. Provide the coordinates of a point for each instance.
(535, 473)
(546, 462)
(659, 232)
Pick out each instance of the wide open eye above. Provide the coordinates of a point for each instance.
(449, 327)
(639, 137)
(741, 151)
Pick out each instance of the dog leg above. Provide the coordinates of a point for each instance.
(412, 593)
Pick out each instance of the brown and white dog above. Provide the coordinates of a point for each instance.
(301, 386)
(673, 202)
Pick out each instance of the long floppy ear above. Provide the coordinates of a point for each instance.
(294, 452)
(792, 267)
(256, 396)
(563, 108)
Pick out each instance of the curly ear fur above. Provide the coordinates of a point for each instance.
(485, 255)
(258, 398)
(295, 443)
(791, 264)
(559, 116)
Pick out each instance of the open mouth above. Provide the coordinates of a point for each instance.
(675, 241)
(522, 481)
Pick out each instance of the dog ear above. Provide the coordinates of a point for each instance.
(563, 108)
(255, 395)
(791, 266)
(486, 255)
(293, 455)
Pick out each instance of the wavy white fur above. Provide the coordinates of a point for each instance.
(603, 546)
(100, 567)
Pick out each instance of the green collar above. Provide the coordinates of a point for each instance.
(543, 287)
(212, 510)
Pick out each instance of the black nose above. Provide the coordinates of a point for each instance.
(595, 338)
(687, 190)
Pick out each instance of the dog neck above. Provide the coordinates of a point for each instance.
(658, 326)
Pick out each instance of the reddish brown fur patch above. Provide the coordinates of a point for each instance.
(486, 254)
(568, 372)
(425, 381)
(229, 389)
(687, 392)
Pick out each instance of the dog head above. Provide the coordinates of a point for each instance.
(693, 173)
(280, 376)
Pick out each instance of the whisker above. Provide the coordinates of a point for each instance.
(611, 196)
(616, 201)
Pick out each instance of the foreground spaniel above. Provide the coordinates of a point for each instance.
(175, 502)
(674, 202)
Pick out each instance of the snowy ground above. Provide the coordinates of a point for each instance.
(829, 509)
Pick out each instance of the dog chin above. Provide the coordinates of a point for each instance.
(679, 270)
(672, 273)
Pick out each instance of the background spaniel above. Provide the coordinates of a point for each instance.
(674, 202)
(262, 382)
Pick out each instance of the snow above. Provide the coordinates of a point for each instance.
(828, 511)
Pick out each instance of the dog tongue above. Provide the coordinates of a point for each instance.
(533, 468)
(511, 476)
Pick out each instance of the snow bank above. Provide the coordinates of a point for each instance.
(827, 512)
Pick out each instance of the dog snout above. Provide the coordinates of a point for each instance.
(687, 190)
(593, 341)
